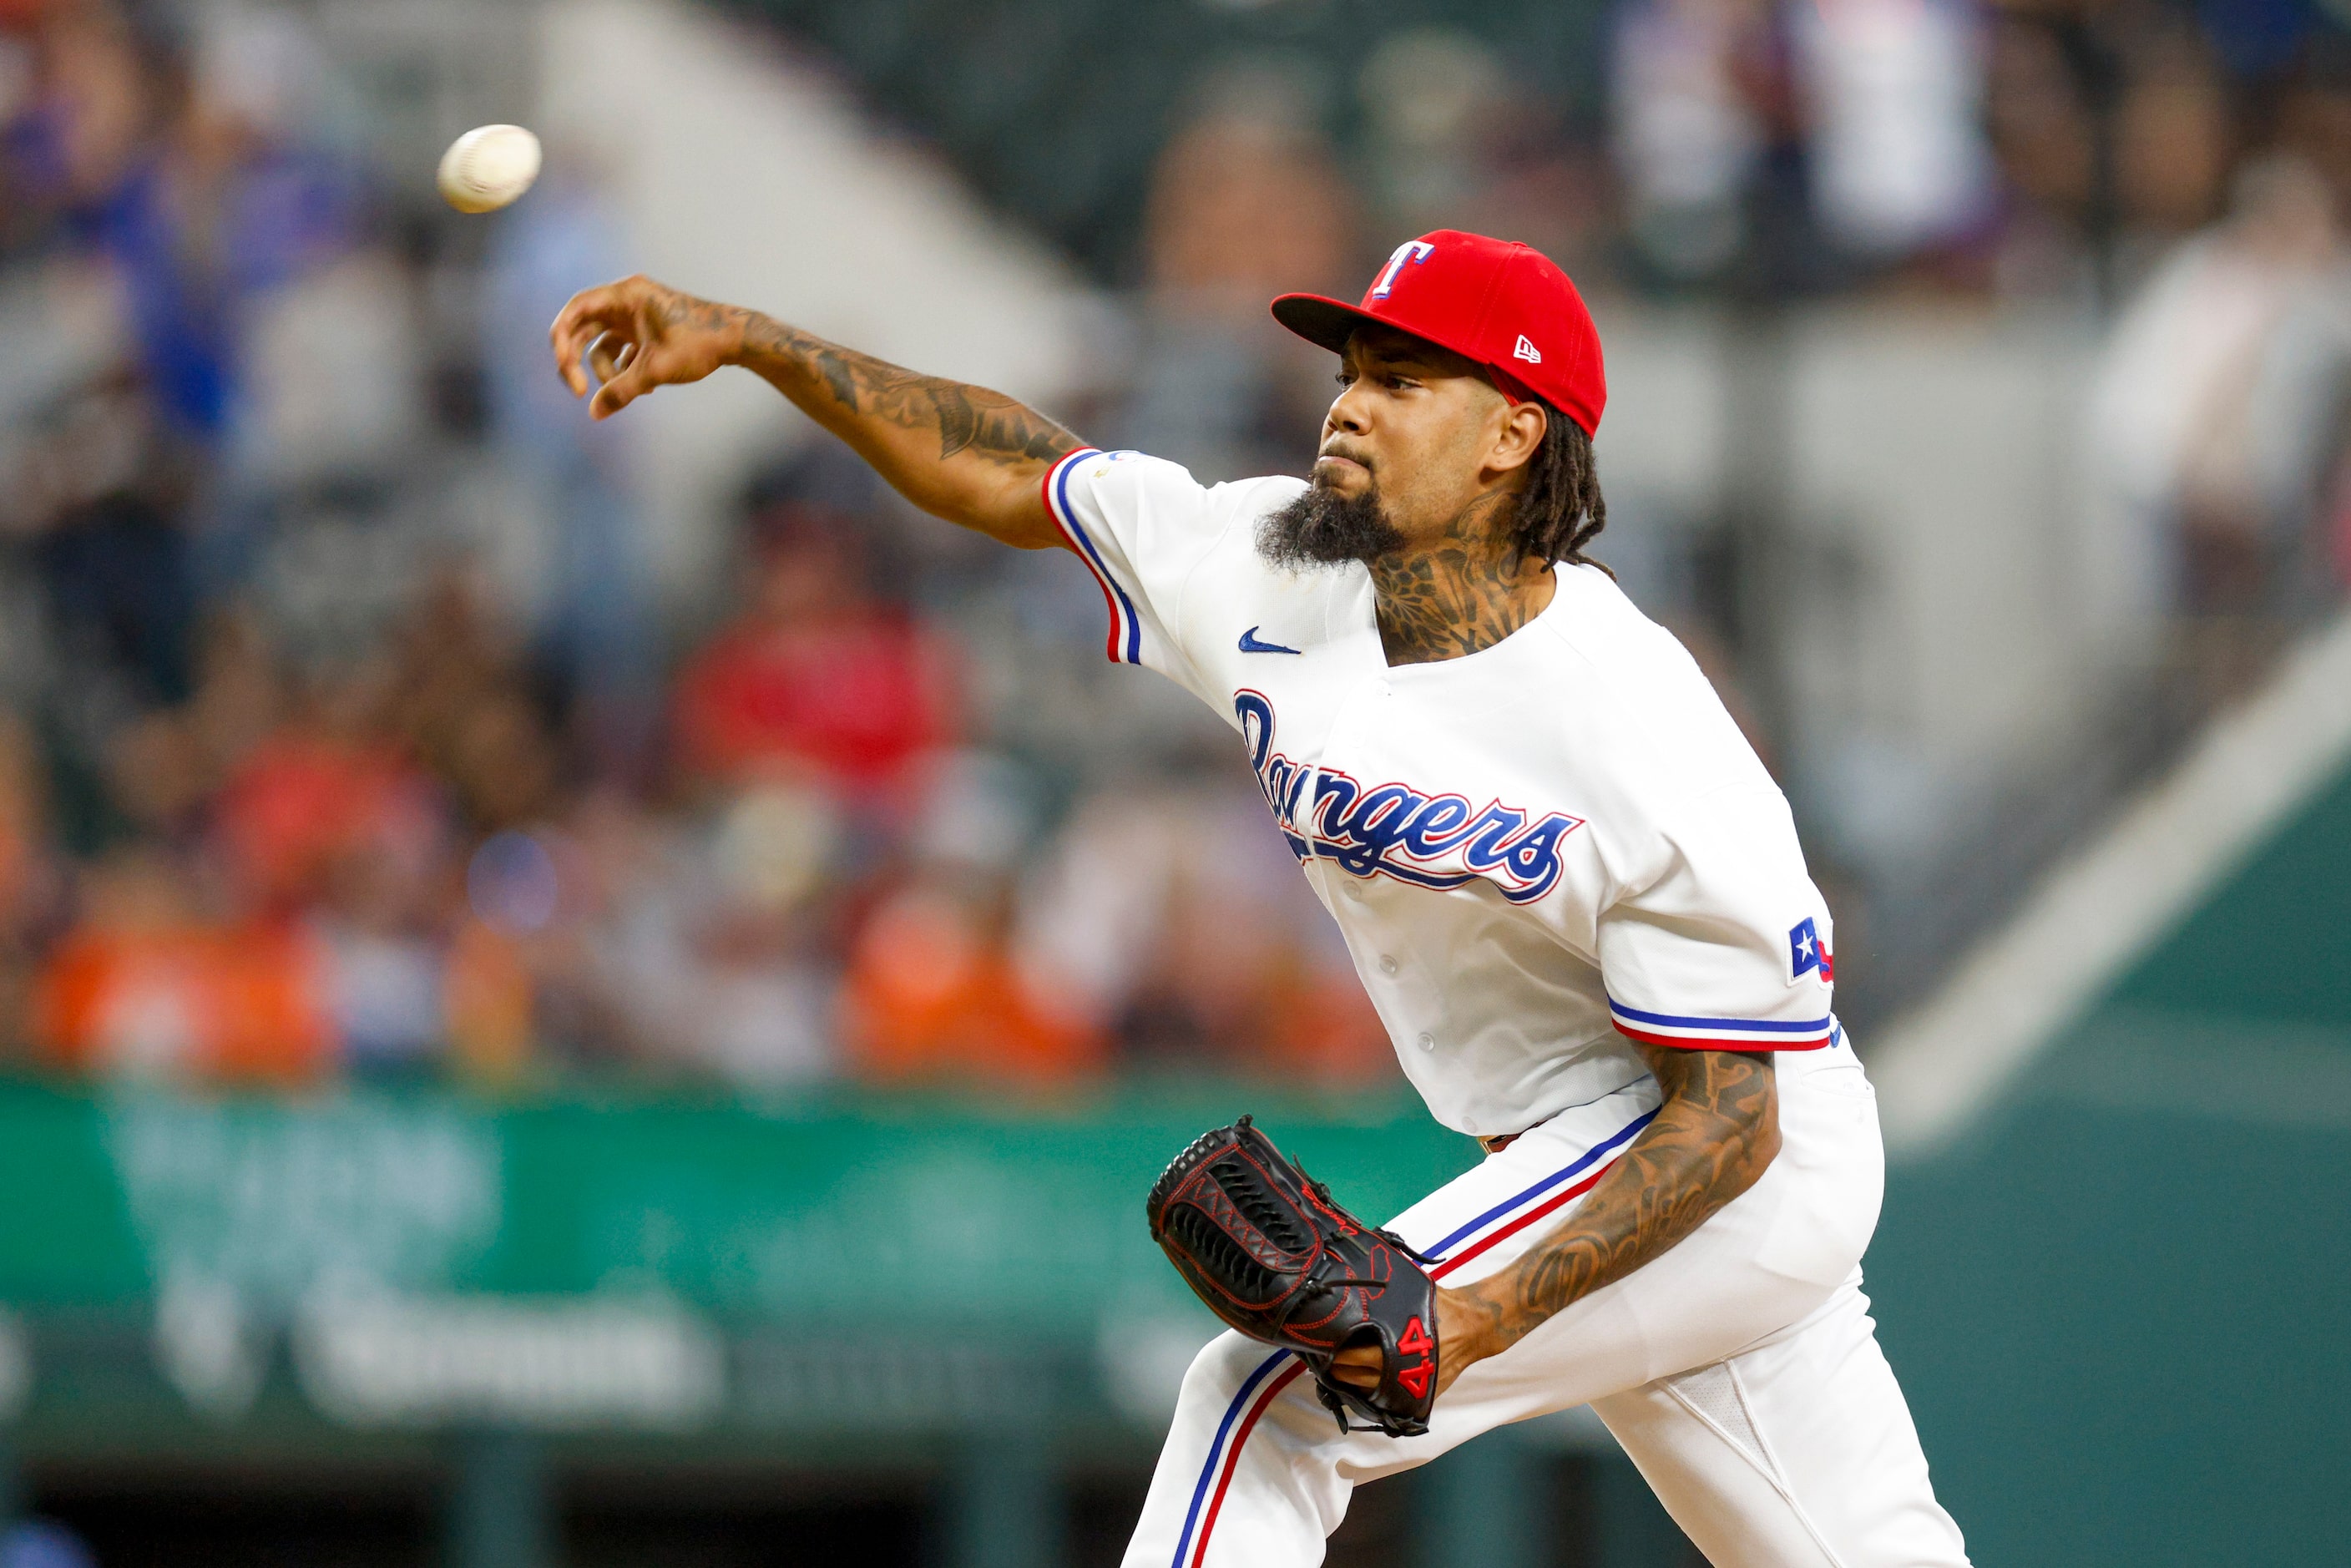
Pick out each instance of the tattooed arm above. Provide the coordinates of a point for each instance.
(961, 452)
(1717, 1130)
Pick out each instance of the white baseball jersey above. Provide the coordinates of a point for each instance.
(1534, 850)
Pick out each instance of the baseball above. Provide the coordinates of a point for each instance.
(488, 167)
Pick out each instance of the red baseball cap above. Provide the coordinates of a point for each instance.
(1506, 306)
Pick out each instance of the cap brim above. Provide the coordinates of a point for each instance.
(1319, 319)
(1330, 322)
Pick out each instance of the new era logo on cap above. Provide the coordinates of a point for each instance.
(1459, 290)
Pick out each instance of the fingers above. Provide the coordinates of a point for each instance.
(583, 320)
(617, 395)
(635, 371)
(608, 356)
(635, 334)
(587, 315)
(1358, 1366)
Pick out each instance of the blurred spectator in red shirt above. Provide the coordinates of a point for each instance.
(316, 792)
(816, 676)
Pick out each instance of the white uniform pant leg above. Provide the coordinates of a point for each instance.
(1256, 1471)
(1799, 1450)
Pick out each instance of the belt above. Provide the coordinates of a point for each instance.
(1497, 1144)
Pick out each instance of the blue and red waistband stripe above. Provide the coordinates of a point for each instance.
(1124, 646)
(1266, 1382)
(1719, 1033)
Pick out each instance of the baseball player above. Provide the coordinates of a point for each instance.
(1571, 889)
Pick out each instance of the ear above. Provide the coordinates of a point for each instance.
(1517, 436)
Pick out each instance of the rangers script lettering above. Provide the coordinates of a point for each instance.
(1395, 830)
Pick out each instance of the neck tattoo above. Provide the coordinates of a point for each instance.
(1467, 591)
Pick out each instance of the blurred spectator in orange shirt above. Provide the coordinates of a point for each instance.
(816, 676)
(143, 986)
(932, 993)
(1174, 917)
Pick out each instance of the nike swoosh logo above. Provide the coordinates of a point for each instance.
(1249, 645)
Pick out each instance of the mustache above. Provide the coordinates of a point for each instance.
(1341, 449)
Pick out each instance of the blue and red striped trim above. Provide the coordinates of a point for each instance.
(1124, 646)
(1719, 1033)
(1582, 1163)
(1271, 1376)
(1187, 1549)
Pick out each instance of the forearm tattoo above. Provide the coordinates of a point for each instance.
(1468, 593)
(1715, 1132)
(988, 424)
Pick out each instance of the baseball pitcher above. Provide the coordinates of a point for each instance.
(1572, 892)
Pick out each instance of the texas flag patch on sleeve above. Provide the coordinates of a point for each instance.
(1808, 955)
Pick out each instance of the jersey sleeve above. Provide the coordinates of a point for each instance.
(1726, 945)
(1142, 525)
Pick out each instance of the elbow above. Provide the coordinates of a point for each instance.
(1013, 513)
(1726, 1102)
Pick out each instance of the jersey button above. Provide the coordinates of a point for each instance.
(1428, 1042)
(1355, 890)
(1388, 965)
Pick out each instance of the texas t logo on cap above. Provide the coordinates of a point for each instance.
(1410, 250)
(1487, 300)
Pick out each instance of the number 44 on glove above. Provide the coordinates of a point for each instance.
(1264, 1245)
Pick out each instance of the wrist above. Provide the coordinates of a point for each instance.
(737, 336)
(1464, 1329)
(757, 342)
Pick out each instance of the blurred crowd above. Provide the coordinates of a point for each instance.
(343, 733)
(2177, 178)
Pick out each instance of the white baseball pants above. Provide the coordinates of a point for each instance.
(1740, 1370)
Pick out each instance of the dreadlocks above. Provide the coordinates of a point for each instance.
(1562, 510)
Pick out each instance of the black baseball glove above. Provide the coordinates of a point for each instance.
(1264, 1246)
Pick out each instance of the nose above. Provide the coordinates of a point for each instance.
(1348, 411)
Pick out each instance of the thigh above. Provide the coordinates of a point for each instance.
(1719, 1290)
(1768, 1259)
(1798, 1452)
(1256, 1470)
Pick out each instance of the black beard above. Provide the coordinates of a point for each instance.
(1318, 526)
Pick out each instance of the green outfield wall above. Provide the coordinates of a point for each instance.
(881, 1209)
(195, 1273)
(2122, 1306)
